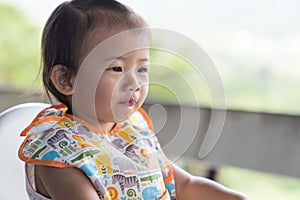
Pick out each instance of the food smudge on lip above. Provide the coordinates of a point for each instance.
(131, 102)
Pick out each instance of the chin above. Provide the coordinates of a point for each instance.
(124, 114)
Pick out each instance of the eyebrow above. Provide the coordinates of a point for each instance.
(123, 59)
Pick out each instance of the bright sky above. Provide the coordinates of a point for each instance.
(265, 29)
(256, 15)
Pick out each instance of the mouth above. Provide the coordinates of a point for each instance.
(129, 103)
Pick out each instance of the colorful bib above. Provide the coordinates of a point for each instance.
(126, 163)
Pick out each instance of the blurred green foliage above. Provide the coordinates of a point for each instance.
(260, 186)
(174, 80)
(256, 185)
(261, 89)
(19, 50)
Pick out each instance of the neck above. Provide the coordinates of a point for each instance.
(108, 126)
(104, 125)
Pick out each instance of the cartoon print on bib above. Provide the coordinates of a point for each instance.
(126, 164)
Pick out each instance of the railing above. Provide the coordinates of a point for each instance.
(260, 141)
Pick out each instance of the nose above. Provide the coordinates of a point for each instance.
(131, 81)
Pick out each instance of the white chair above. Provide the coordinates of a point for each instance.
(12, 122)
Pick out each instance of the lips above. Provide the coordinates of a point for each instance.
(129, 102)
(130, 99)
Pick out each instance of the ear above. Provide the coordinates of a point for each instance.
(62, 80)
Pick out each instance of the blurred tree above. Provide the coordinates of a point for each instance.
(19, 50)
(174, 80)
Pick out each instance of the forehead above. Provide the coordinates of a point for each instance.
(117, 42)
(103, 49)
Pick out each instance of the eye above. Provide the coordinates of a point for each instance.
(115, 69)
(142, 69)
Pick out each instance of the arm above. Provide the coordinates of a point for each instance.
(64, 183)
(197, 188)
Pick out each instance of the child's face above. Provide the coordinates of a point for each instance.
(123, 87)
(116, 72)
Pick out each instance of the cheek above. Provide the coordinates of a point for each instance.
(144, 80)
(145, 89)
(144, 92)
(104, 93)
